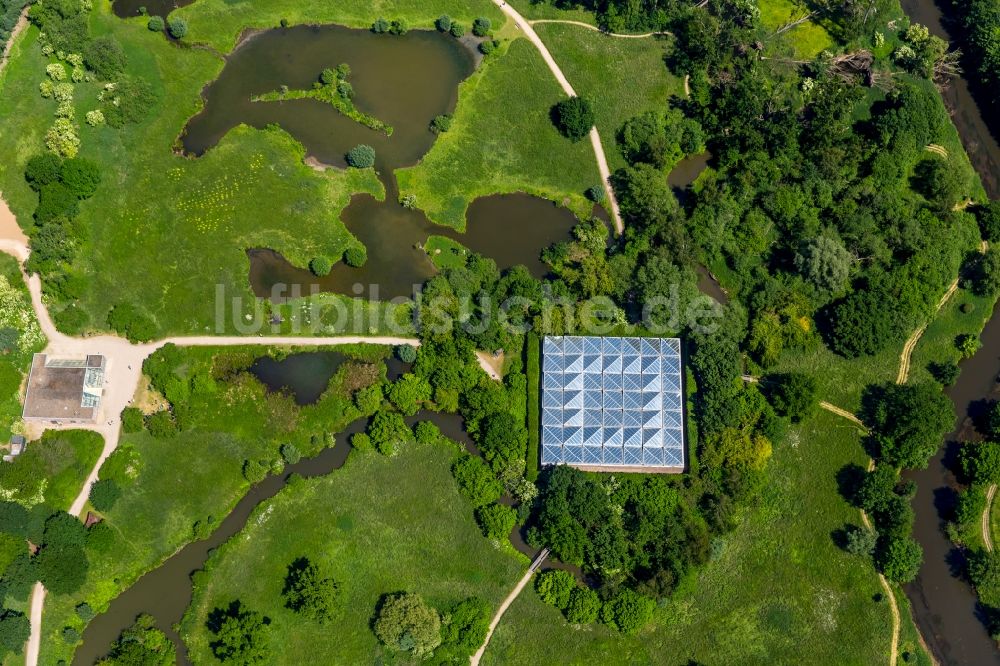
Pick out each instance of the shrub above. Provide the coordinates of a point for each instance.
(476, 480)
(290, 453)
(989, 220)
(345, 89)
(356, 256)
(457, 29)
(56, 71)
(95, 118)
(406, 353)
(488, 46)
(900, 560)
(84, 611)
(241, 635)
(104, 494)
(320, 266)
(793, 394)
(399, 27)
(308, 593)
(441, 124)
(380, 26)
(496, 520)
(361, 441)
(81, 176)
(126, 319)
(283, 23)
(409, 393)
(177, 27)
(985, 273)
(327, 76)
(597, 194)
(254, 471)
(584, 606)
(426, 432)
(388, 430)
(443, 23)
(555, 587)
(43, 169)
(628, 612)
(14, 631)
(984, 572)
(361, 156)
(967, 345)
(161, 424)
(105, 57)
(156, 24)
(861, 541)
(465, 628)
(129, 101)
(945, 372)
(481, 26)
(369, 399)
(573, 117)
(406, 623)
(70, 635)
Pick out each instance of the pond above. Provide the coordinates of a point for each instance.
(511, 228)
(305, 376)
(130, 8)
(404, 81)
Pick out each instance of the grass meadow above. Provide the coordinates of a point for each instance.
(219, 23)
(378, 525)
(168, 484)
(622, 77)
(502, 141)
(778, 590)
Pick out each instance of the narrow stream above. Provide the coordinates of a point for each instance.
(944, 606)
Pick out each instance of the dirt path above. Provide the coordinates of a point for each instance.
(843, 412)
(123, 369)
(987, 535)
(505, 604)
(911, 343)
(595, 138)
(22, 23)
(620, 35)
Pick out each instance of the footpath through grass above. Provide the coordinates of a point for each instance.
(778, 590)
(502, 141)
(622, 77)
(181, 224)
(171, 483)
(379, 525)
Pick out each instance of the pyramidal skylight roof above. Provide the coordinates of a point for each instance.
(613, 403)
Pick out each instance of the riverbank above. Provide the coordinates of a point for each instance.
(945, 608)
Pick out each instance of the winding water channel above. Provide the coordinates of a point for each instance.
(944, 606)
(512, 229)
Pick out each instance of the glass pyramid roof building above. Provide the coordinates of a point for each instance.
(613, 403)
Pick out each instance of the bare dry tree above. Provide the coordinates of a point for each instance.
(795, 22)
(947, 67)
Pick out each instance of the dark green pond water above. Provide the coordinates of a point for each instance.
(405, 81)
(130, 8)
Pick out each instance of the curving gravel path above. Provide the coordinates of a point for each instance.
(595, 139)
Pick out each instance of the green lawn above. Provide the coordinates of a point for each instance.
(445, 252)
(182, 224)
(502, 141)
(779, 592)
(16, 314)
(534, 10)
(622, 77)
(937, 344)
(169, 484)
(220, 22)
(378, 525)
(806, 40)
